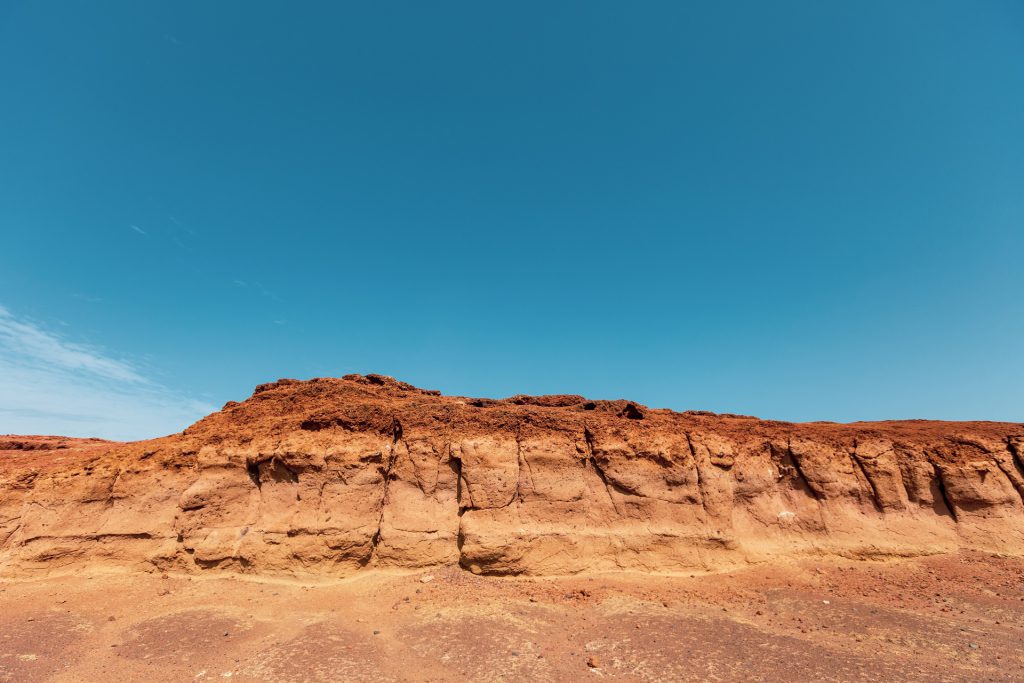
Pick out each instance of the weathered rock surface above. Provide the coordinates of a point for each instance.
(333, 475)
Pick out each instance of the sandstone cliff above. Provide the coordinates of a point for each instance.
(333, 475)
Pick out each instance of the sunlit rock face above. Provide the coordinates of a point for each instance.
(334, 476)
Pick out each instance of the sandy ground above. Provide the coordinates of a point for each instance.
(950, 618)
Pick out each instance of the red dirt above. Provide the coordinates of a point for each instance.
(911, 620)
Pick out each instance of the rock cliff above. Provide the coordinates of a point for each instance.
(331, 476)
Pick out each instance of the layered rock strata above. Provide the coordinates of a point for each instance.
(332, 476)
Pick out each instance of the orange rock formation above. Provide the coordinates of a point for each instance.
(329, 476)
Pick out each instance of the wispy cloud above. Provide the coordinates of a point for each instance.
(180, 226)
(258, 287)
(51, 385)
(138, 229)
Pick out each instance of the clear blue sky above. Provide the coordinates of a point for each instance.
(798, 210)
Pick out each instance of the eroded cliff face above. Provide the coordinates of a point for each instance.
(331, 476)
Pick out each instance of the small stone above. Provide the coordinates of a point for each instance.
(826, 602)
(426, 578)
(593, 662)
(226, 634)
(376, 632)
(973, 646)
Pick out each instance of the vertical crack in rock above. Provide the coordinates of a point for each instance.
(696, 467)
(113, 485)
(871, 482)
(461, 489)
(319, 515)
(455, 462)
(396, 438)
(905, 466)
(1015, 453)
(521, 458)
(943, 494)
(1015, 469)
(253, 469)
(608, 486)
(800, 472)
(517, 495)
(1012, 469)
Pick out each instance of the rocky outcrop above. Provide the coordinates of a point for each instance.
(331, 476)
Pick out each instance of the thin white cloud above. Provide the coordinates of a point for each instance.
(31, 343)
(49, 385)
(137, 229)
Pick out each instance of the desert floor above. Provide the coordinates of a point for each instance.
(948, 618)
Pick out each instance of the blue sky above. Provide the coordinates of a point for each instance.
(797, 210)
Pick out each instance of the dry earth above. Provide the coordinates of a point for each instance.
(942, 618)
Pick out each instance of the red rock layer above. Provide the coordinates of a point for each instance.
(333, 475)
